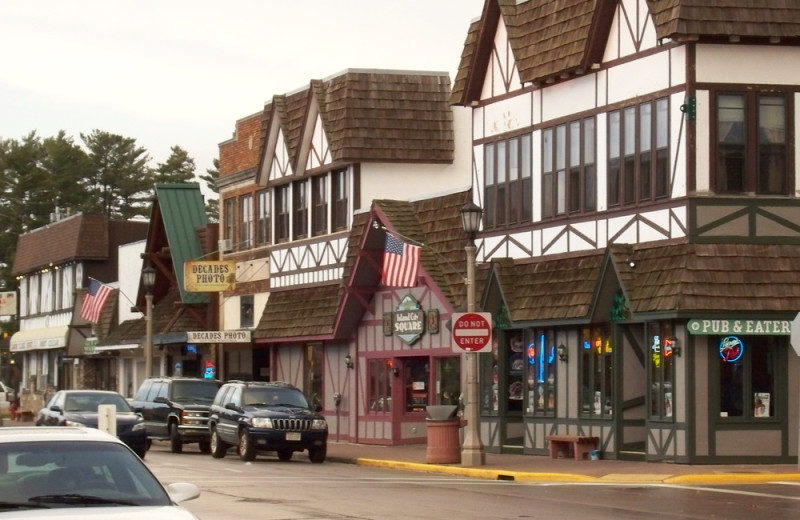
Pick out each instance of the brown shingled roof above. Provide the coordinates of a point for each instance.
(371, 116)
(550, 37)
(300, 313)
(715, 277)
(80, 237)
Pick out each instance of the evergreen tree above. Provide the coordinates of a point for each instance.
(120, 183)
(178, 168)
(210, 178)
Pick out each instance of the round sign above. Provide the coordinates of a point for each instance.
(472, 331)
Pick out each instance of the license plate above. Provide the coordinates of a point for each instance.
(292, 436)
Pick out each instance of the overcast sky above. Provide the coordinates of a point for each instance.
(181, 72)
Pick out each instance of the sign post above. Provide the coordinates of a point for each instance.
(472, 332)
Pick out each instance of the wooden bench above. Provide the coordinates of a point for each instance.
(581, 445)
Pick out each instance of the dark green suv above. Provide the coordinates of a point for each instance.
(176, 409)
(262, 417)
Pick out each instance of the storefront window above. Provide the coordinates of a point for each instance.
(540, 371)
(489, 379)
(379, 372)
(448, 380)
(415, 372)
(662, 344)
(597, 371)
(747, 368)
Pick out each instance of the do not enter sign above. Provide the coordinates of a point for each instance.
(472, 331)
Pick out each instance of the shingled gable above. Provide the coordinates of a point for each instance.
(553, 290)
(551, 37)
(367, 116)
(337, 308)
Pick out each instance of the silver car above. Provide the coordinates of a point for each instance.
(76, 472)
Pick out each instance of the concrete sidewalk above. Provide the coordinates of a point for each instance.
(536, 468)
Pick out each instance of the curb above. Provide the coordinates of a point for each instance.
(617, 478)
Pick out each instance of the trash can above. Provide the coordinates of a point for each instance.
(444, 441)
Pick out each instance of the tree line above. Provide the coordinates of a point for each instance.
(104, 173)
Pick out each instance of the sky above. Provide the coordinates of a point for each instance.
(182, 72)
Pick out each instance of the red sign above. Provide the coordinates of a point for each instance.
(472, 331)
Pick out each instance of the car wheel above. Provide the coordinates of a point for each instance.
(247, 451)
(218, 448)
(175, 442)
(141, 454)
(285, 455)
(148, 444)
(317, 455)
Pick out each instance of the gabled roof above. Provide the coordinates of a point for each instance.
(337, 308)
(180, 211)
(79, 237)
(368, 116)
(552, 37)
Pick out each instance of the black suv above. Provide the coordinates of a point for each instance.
(176, 408)
(257, 416)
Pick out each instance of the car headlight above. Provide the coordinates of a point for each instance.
(138, 426)
(261, 422)
(73, 423)
(319, 424)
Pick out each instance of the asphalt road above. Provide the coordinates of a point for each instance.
(272, 490)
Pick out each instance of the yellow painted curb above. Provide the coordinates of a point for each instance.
(486, 474)
(733, 478)
(527, 476)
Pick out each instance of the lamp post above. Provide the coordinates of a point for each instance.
(148, 282)
(472, 452)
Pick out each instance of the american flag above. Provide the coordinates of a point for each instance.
(400, 263)
(94, 300)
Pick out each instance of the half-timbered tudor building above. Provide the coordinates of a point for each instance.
(636, 162)
(297, 184)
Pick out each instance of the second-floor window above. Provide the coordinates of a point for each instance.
(229, 216)
(246, 214)
(340, 191)
(751, 150)
(282, 212)
(508, 182)
(320, 210)
(263, 221)
(300, 209)
(569, 172)
(638, 153)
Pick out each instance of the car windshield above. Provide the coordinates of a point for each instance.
(194, 390)
(88, 402)
(274, 397)
(72, 474)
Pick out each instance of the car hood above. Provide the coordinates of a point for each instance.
(117, 513)
(281, 411)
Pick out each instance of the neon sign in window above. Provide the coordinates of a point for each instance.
(731, 349)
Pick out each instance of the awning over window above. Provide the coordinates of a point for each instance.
(38, 339)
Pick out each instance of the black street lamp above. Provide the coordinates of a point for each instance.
(148, 282)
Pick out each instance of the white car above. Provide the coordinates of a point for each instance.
(80, 473)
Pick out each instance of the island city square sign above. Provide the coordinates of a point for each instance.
(409, 321)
